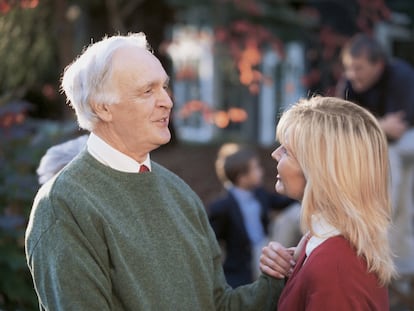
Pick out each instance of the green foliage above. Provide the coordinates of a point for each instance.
(26, 49)
(23, 143)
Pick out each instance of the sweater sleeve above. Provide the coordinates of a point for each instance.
(263, 294)
(74, 277)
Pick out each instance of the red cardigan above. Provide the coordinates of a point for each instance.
(333, 278)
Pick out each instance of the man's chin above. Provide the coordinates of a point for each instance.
(165, 140)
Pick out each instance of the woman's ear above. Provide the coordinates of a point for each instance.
(103, 111)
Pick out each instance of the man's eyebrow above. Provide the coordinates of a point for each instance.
(151, 84)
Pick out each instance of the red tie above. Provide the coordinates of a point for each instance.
(143, 168)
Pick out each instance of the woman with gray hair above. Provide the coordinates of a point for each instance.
(57, 156)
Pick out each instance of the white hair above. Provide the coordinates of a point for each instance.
(86, 79)
(56, 157)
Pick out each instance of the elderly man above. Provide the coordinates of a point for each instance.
(115, 230)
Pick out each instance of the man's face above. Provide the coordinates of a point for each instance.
(362, 73)
(139, 121)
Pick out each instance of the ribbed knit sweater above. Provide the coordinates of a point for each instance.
(101, 239)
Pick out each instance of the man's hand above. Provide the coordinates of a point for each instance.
(276, 260)
(394, 125)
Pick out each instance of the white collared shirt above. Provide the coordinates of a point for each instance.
(323, 231)
(251, 211)
(113, 158)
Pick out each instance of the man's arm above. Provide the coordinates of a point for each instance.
(260, 295)
(66, 271)
(394, 125)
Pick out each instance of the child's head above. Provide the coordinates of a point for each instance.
(239, 166)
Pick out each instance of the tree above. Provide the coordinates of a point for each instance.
(244, 27)
(28, 61)
(24, 49)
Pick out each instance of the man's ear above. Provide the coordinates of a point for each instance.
(103, 111)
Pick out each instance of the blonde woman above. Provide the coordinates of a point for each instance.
(333, 158)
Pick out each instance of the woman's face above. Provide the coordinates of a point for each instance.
(290, 179)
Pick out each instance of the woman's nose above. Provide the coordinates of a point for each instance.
(276, 154)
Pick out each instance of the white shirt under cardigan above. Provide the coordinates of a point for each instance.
(323, 231)
(113, 158)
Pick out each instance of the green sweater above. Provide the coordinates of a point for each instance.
(100, 239)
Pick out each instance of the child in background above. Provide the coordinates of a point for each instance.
(241, 217)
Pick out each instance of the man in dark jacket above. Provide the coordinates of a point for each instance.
(385, 86)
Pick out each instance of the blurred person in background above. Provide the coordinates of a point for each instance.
(385, 86)
(240, 217)
(57, 156)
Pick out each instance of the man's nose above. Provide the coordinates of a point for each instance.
(165, 100)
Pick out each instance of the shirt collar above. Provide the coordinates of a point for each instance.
(323, 231)
(113, 158)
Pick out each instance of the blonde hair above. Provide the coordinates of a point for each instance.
(343, 154)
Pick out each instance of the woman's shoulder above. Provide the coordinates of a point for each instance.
(335, 269)
(336, 258)
(333, 251)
